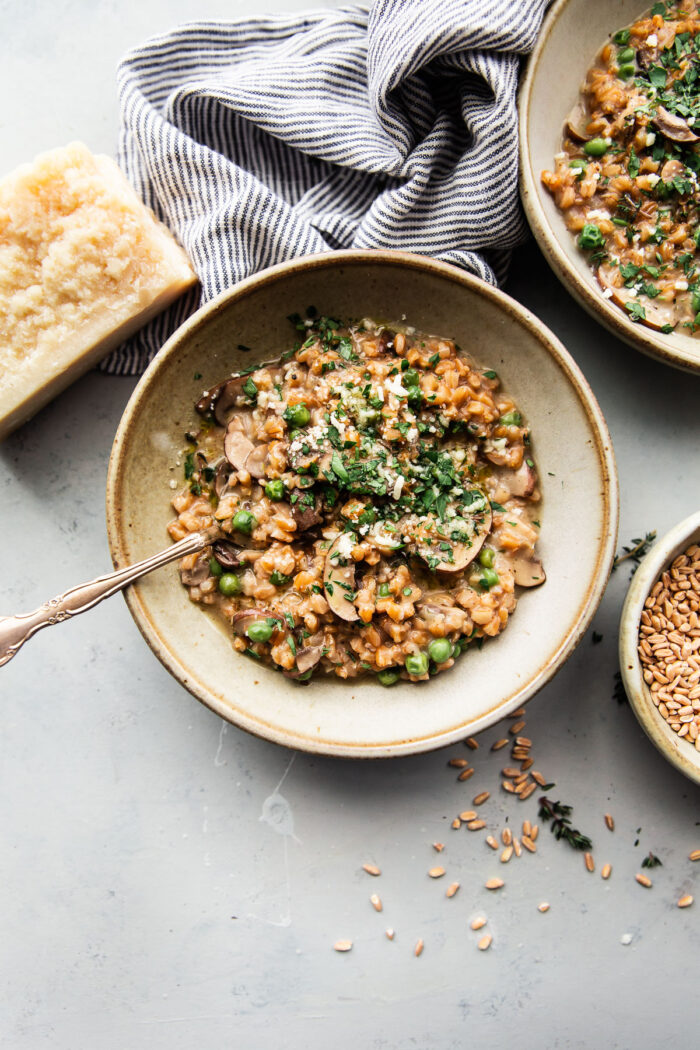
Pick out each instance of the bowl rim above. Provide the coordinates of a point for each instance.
(610, 499)
(635, 335)
(668, 547)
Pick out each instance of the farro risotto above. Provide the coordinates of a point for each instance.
(372, 499)
(627, 177)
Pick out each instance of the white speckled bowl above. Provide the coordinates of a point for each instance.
(680, 753)
(572, 34)
(570, 443)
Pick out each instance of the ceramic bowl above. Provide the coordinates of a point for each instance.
(579, 512)
(677, 750)
(573, 32)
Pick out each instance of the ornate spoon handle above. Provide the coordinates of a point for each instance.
(15, 630)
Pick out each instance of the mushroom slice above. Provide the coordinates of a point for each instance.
(227, 554)
(658, 312)
(386, 541)
(306, 515)
(576, 124)
(671, 170)
(339, 577)
(673, 126)
(237, 447)
(521, 482)
(308, 657)
(256, 461)
(198, 573)
(528, 571)
(449, 545)
(220, 399)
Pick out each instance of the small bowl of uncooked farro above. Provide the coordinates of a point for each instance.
(407, 494)
(660, 645)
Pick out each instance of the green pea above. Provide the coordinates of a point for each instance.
(417, 663)
(456, 650)
(622, 37)
(489, 578)
(244, 521)
(214, 567)
(259, 631)
(389, 676)
(590, 237)
(440, 650)
(511, 419)
(383, 590)
(299, 415)
(626, 72)
(578, 162)
(229, 584)
(486, 556)
(695, 302)
(410, 377)
(275, 489)
(294, 434)
(596, 147)
(627, 54)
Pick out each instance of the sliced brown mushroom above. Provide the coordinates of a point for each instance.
(308, 657)
(339, 578)
(237, 447)
(220, 399)
(673, 126)
(221, 478)
(198, 573)
(521, 482)
(256, 461)
(528, 571)
(227, 554)
(671, 170)
(658, 312)
(450, 545)
(306, 515)
(576, 125)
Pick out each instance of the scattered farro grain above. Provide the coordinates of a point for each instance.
(510, 772)
(418, 950)
(517, 727)
(458, 763)
(472, 743)
(376, 902)
(482, 797)
(606, 871)
(452, 889)
(468, 814)
(526, 764)
(589, 862)
(644, 880)
(494, 884)
(499, 744)
(609, 822)
(372, 869)
(538, 778)
(476, 825)
(529, 844)
(438, 846)
(506, 855)
(466, 774)
(506, 836)
(518, 714)
(686, 901)
(695, 855)
(456, 823)
(508, 786)
(491, 841)
(523, 741)
(527, 828)
(478, 922)
(535, 832)
(436, 873)
(485, 942)
(526, 792)
(342, 946)
(516, 846)
(390, 934)
(543, 907)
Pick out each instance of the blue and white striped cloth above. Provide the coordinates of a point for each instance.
(390, 127)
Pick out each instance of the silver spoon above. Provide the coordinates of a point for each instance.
(15, 630)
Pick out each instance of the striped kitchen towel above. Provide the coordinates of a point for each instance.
(393, 126)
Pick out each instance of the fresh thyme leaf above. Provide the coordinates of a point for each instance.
(652, 861)
(560, 826)
(635, 550)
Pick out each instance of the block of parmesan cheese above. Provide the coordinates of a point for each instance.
(83, 264)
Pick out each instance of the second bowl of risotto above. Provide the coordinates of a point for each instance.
(408, 493)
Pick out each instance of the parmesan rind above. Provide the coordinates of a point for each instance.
(83, 264)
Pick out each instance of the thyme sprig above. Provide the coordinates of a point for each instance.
(636, 550)
(652, 861)
(560, 826)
